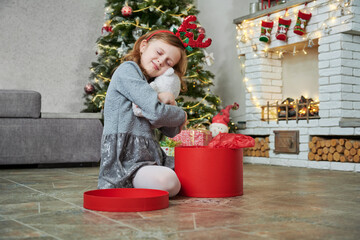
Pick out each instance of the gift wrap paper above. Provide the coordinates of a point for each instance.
(170, 151)
(194, 137)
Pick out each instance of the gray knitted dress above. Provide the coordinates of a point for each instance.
(128, 142)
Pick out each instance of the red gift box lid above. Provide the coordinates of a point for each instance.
(126, 199)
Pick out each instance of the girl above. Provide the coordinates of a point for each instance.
(130, 155)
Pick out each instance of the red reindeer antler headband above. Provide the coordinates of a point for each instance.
(189, 42)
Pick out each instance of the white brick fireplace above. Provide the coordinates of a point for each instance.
(334, 32)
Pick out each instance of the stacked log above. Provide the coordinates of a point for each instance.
(261, 148)
(337, 149)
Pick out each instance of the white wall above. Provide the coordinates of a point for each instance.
(48, 46)
(217, 18)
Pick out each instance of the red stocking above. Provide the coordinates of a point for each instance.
(283, 28)
(302, 20)
(266, 28)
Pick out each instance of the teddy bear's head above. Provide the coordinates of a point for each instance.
(168, 82)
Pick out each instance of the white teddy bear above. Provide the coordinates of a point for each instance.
(168, 82)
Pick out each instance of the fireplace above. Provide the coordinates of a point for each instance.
(290, 109)
(332, 110)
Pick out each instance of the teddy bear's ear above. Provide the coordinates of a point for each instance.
(169, 72)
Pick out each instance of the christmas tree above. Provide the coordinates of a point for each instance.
(125, 22)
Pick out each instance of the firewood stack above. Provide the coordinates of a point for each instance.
(339, 150)
(261, 148)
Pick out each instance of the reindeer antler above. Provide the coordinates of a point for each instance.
(186, 24)
(198, 42)
(189, 43)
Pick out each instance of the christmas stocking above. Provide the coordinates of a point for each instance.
(302, 20)
(266, 28)
(283, 28)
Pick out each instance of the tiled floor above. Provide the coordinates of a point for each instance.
(278, 203)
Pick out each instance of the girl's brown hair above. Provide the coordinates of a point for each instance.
(180, 67)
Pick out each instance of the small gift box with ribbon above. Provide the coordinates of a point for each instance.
(168, 145)
(194, 137)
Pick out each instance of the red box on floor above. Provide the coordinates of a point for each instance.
(209, 172)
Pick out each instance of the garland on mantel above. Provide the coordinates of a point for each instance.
(339, 8)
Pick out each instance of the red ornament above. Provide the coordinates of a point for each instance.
(107, 27)
(89, 88)
(201, 30)
(126, 11)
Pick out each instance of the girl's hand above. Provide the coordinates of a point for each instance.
(167, 98)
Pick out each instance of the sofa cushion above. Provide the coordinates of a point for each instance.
(20, 104)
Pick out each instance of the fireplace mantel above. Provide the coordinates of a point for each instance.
(271, 10)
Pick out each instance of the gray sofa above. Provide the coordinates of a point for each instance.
(28, 136)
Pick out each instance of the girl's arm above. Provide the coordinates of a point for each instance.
(170, 131)
(173, 131)
(130, 82)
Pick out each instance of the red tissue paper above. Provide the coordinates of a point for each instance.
(232, 141)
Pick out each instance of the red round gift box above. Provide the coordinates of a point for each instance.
(209, 172)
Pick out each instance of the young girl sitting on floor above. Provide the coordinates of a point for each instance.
(130, 154)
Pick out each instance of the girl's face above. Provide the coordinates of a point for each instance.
(158, 56)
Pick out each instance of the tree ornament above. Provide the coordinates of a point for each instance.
(174, 28)
(301, 22)
(123, 49)
(221, 120)
(106, 29)
(201, 30)
(89, 88)
(209, 58)
(284, 24)
(137, 33)
(108, 12)
(99, 51)
(126, 11)
(266, 27)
